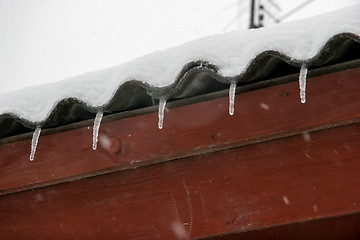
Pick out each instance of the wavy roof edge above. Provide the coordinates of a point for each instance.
(129, 86)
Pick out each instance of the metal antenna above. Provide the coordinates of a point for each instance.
(257, 13)
(259, 8)
(252, 15)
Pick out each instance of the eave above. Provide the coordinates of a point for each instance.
(216, 175)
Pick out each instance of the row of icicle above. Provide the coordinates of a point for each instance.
(162, 103)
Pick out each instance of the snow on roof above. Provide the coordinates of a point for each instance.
(161, 73)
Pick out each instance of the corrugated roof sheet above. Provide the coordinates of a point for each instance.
(241, 57)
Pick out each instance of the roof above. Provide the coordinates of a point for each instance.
(197, 67)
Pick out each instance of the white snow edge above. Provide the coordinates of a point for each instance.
(231, 52)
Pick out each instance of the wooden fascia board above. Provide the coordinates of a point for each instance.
(204, 127)
(288, 181)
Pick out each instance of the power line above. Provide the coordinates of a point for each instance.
(275, 5)
(237, 18)
(294, 10)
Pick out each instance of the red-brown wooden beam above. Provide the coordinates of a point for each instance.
(256, 187)
(260, 115)
(344, 227)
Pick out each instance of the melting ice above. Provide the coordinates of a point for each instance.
(232, 98)
(302, 83)
(34, 142)
(96, 128)
(162, 104)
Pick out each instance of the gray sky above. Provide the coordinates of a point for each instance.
(47, 40)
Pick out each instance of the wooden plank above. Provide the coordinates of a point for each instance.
(253, 187)
(334, 228)
(260, 115)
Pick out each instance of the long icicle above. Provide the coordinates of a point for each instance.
(232, 97)
(96, 128)
(302, 83)
(162, 103)
(34, 142)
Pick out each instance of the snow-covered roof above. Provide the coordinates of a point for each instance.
(226, 58)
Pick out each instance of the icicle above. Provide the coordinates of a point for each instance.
(34, 142)
(232, 97)
(96, 128)
(302, 83)
(162, 104)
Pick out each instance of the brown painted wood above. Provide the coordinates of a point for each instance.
(335, 228)
(260, 115)
(284, 181)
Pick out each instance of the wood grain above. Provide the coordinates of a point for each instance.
(254, 187)
(331, 228)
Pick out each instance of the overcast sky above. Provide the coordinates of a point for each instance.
(48, 40)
